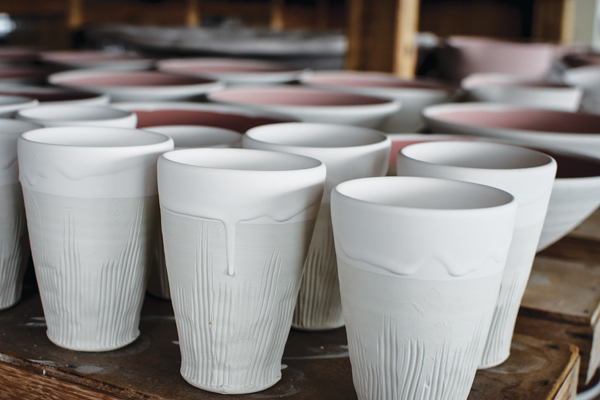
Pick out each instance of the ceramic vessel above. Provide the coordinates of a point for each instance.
(232, 71)
(92, 213)
(548, 129)
(237, 224)
(136, 85)
(461, 56)
(588, 79)
(517, 90)
(185, 137)
(100, 60)
(414, 95)
(575, 195)
(420, 263)
(9, 105)
(77, 115)
(13, 230)
(234, 118)
(312, 105)
(55, 95)
(348, 153)
(527, 175)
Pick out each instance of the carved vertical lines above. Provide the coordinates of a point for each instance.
(501, 329)
(14, 245)
(319, 304)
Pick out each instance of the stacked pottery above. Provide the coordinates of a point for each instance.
(184, 137)
(526, 174)
(348, 153)
(13, 230)
(237, 224)
(312, 105)
(414, 95)
(420, 263)
(92, 213)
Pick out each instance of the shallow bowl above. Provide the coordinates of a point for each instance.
(96, 60)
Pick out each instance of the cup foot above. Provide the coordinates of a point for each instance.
(232, 390)
(92, 349)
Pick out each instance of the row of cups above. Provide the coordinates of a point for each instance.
(431, 270)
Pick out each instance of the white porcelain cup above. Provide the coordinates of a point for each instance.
(91, 200)
(348, 152)
(13, 230)
(526, 174)
(420, 262)
(236, 224)
(185, 137)
(78, 115)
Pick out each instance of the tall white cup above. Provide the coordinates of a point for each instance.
(526, 174)
(348, 152)
(420, 263)
(92, 213)
(236, 225)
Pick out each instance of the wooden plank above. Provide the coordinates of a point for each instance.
(192, 12)
(553, 20)
(354, 33)
(277, 14)
(407, 25)
(75, 18)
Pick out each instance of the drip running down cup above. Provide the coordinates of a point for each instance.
(185, 137)
(420, 263)
(92, 213)
(78, 115)
(526, 174)
(237, 225)
(348, 152)
(13, 230)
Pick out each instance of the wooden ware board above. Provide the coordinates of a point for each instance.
(317, 365)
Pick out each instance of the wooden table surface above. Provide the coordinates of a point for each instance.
(315, 365)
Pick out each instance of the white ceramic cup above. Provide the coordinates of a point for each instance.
(78, 115)
(185, 137)
(237, 225)
(9, 105)
(420, 263)
(92, 213)
(526, 174)
(348, 152)
(13, 230)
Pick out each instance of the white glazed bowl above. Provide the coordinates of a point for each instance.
(9, 105)
(190, 136)
(96, 60)
(232, 71)
(234, 118)
(54, 95)
(517, 90)
(414, 95)
(136, 85)
(76, 115)
(312, 105)
(546, 129)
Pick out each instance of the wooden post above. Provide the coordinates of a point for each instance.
(75, 14)
(354, 33)
(407, 25)
(192, 13)
(277, 10)
(553, 20)
(322, 14)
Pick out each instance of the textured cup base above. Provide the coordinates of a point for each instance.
(317, 328)
(94, 350)
(223, 390)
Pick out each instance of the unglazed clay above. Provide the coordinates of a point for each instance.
(237, 225)
(420, 262)
(185, 137)
(312, 105)
(414, 95)
(92, 212)
(348, 153)
(78, 115)
(13, 230)
(526, 174)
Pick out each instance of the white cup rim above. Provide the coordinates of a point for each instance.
(93, 137)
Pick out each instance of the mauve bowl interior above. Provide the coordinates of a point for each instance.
(130, 79)
(293, 96)
(44, 94)
(369, 80)
(222, 66)
(87, 57)
(236, 122)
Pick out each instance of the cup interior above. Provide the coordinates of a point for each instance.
(198, 136)
(223, 65)
(573, 166)
(94, 137)
(72, 113)
(241, 159)
(315, 135)
(473, 154)
(293, 96)
(424, 193)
